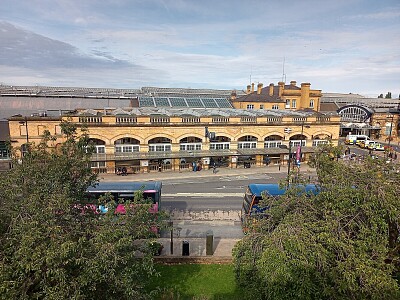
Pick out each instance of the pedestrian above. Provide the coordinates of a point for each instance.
(194, 165)
(214, 168)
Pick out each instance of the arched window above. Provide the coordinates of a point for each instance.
(126, 145)
(247, 142)
(389, 129)
(220, 143)
(190, 143)
(99, 145)
(160, 144)
(272, 141)
(319, 140)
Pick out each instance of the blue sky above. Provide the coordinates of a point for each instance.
(347, 46)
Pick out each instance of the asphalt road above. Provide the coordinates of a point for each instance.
(211, 193)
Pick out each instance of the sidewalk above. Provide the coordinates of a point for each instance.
(168, 175)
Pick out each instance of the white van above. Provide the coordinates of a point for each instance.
(356, 139)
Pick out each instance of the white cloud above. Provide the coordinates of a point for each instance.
(349, 44)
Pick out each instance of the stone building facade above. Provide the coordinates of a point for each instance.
(161, 139)
(282, 96)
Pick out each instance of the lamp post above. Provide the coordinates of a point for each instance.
(287, 131)
(391, 127)
(290, 158)
(301, 141)
(171, 228)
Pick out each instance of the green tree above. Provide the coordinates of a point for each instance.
(52, 243)
(340, 244)
(388, 95)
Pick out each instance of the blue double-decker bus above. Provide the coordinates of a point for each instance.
(251, 208)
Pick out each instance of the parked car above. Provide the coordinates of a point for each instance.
(379, 147)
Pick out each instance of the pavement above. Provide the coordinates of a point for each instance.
(224, 226)
(223, 171)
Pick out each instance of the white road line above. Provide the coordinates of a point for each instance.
(205, 195)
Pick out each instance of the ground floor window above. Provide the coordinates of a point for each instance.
(272, 144)
(190, 146)
(127, 148)
(159, 147)
(247, 145)
(219, 146)
(97, 164)
(297, 143)
(100, 149)
(315, 143)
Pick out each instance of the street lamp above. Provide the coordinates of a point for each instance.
(287, 131)
(171, 228)
(301, 141)
(391, 127)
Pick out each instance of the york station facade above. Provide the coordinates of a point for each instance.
(154, 139)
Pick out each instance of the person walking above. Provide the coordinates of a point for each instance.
(214, 168)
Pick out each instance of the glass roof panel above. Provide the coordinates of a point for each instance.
(146, 102)
(209, 102)
(161, 101)
(194, 102)
(178, 102)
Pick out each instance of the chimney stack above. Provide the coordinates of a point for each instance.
(252, 87)
(259, 87)
(271, 89)
(281, 87)
(293, 83)
(248, 89)
(233, 95)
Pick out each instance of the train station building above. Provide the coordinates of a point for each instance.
(161, 129)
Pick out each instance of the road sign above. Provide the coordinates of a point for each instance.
(288, 130)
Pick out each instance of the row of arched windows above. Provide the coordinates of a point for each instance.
(191, 143)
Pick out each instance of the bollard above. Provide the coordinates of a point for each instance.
(209, 244)
(185, 248)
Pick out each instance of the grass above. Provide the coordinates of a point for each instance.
(196, 281)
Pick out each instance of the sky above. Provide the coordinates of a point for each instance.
(342, 46)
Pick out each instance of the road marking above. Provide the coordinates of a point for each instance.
(205, 195)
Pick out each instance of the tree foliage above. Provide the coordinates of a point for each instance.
(340, 244)
(53, 245)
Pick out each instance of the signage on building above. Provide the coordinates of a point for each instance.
(288, 130)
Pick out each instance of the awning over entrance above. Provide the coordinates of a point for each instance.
(353, 125)
(197, 154)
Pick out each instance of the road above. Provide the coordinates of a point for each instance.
(211, 193)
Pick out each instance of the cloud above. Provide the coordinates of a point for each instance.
(26, 49)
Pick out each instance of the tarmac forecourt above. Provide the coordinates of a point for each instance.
(192, 229)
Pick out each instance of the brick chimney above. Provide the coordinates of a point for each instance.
(233, 95)
(293, 83)
(259, 87)
(281, 87)
(252, 87)
(271, 89)
(248, 89)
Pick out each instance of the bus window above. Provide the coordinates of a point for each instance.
(126, 191)
(251, 210)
